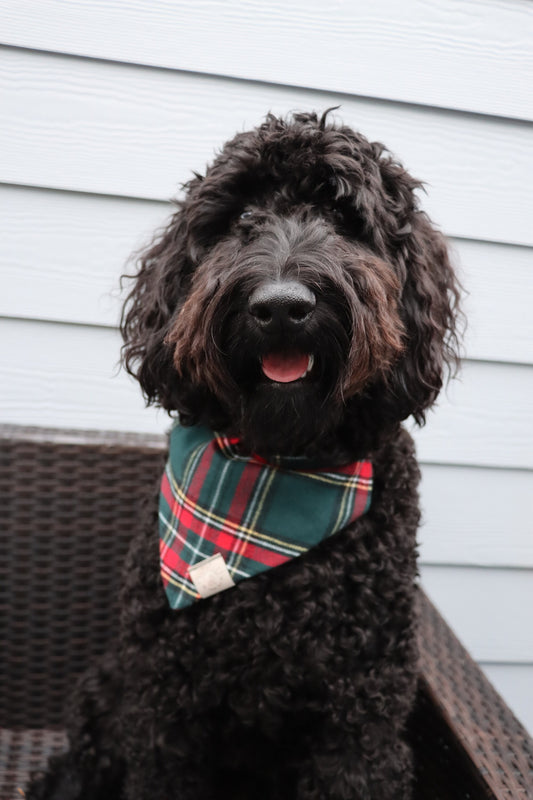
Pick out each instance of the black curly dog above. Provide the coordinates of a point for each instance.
(302, 238)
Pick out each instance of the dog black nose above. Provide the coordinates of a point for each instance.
(281, 304)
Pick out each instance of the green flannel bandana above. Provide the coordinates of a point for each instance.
(224, 517)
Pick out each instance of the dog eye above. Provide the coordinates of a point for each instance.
(246, 215)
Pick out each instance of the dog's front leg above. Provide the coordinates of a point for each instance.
(357, 750)
(171, 764)
(345, 769)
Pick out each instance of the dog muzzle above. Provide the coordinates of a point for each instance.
(225, 517)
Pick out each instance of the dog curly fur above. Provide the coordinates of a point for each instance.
(298, 682)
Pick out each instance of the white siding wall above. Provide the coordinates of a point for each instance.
(107, 107)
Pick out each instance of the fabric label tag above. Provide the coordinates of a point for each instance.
(211, 575)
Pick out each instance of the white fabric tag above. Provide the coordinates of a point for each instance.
(211, 575)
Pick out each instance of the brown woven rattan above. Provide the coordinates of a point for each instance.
(69, 503)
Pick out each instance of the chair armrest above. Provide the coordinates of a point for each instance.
(492, 745)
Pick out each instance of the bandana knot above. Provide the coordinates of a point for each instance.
(225, 517)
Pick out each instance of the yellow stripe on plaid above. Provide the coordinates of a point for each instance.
(258, 510)
(223, 522)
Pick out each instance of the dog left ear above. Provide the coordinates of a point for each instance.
(149, 309)
(429, 308)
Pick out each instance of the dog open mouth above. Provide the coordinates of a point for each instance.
(287, 367)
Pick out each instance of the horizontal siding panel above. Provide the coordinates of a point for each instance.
(490, 610)
(66, 377)
(515, 683)
(123, 130)
(68, 269)
(63, 376)
(483, 418)
(472, 56)
(474, 516)
(498, 281)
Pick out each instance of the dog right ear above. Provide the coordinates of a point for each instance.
(158, 287)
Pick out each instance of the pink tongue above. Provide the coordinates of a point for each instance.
(283, 368)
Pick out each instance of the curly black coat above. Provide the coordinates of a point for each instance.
(298, 682)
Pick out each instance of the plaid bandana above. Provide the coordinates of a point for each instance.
(224, 517)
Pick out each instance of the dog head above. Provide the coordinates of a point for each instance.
(298, 294)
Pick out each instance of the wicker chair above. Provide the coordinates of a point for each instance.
(68, 501)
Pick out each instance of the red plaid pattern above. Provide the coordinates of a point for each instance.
(253, 514)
